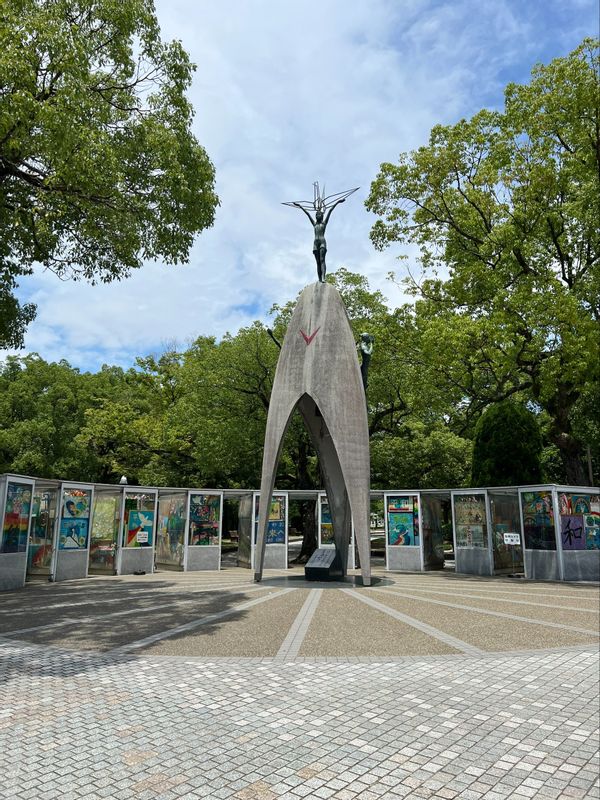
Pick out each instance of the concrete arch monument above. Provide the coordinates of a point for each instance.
(318, 373)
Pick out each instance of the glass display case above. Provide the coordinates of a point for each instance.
(73, 531)
(16, 494)
(170, 531)
(42, 530)
(403, 531)
(276, 541)
(432, 527)
(104, 535)
(325, 535)
(136, 554)
(205, 530)
(15, 521)
(507, 542)
(472, 546)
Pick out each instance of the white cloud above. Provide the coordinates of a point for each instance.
(287, 93)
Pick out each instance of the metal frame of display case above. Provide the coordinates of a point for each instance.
(433, 557)
(13, 566)
(245, 533)
(104, 488)
(351, 555)
(506, 492)
(142, 561)
(551, 564)
(164, 492)
(274, 558)
(542, 564)
(41, 486)
(210, 551)
(578, 564)
(481, 561)
(403, 556)
(70, 564)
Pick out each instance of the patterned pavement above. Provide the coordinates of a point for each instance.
(206, 685)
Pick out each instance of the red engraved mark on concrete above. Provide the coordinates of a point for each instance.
(308, 339)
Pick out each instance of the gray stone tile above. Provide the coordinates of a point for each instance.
(494, 726)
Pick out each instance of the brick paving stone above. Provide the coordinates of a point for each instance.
(83, 725)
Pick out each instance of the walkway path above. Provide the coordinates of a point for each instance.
(206, 685)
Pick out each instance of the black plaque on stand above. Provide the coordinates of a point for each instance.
(323, 565)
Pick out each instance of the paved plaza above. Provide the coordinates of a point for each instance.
(185, 685)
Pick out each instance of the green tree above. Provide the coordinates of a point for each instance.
(420, 456)
(134, 430)
(504, 208)
(226, 387)
(42, 411)
(99, 169)
(507, 447)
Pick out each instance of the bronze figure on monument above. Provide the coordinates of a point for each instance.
(366, 351)
(322, 207)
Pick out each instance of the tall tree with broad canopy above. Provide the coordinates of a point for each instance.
(99, 169)
(505, 209)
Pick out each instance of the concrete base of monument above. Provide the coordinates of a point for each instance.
(296, 579)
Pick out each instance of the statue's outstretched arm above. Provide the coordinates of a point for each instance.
(337, 202)
(312, 222)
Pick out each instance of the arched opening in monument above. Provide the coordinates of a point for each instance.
(332, 475)
(329, 476)
(297, 471)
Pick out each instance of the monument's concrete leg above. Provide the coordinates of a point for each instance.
(277, 425)
(318, 371)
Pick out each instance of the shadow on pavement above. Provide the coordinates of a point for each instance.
(141, 610)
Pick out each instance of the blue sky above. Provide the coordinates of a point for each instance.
(287, 93)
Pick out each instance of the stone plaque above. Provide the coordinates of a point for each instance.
(323, 565)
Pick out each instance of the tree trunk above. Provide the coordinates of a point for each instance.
(561, 434)
(571, 454)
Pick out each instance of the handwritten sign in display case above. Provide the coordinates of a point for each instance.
(579, 521)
